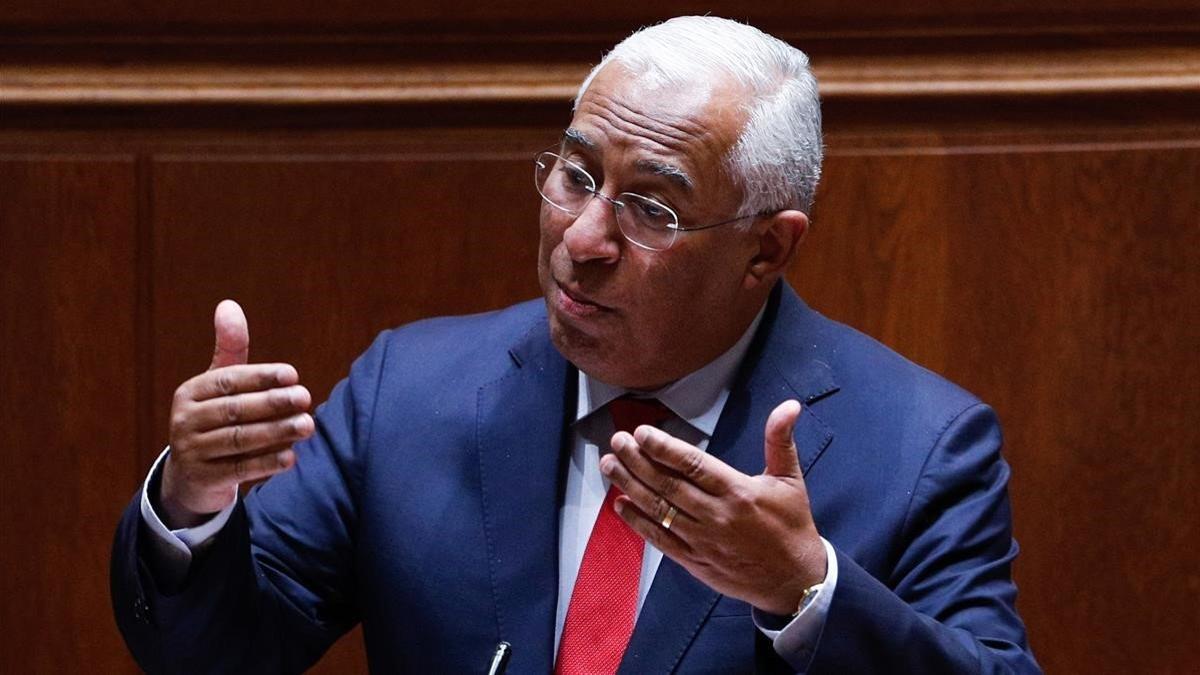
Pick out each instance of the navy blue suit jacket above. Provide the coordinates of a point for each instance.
(426, 507)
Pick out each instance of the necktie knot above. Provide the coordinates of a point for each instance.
(628, 413)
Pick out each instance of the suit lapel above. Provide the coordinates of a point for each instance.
(520, 424)
(786, 338)
(678, 604)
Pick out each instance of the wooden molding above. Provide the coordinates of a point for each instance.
(302, 85)
(1109, 71)
(1013, 74)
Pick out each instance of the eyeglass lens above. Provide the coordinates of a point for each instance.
(568, 187)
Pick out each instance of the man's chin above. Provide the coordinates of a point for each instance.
(587, 352)
(573, 340)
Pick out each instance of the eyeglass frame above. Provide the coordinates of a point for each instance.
(617, 204)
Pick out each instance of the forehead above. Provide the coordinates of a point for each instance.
(680, 131)
(578, 138)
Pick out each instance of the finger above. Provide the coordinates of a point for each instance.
(248, 439)
(238, 379)
(779, 446)
(232, 346)
(654, 505)
(252, 407)
(257, 467)
(649, 529)
(657, 480)
(696, 466)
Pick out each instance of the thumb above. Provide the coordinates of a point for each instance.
(779, 447)
(233, 335)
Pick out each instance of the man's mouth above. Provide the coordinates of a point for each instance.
(575, 303)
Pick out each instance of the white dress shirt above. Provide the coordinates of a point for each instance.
(696, 400)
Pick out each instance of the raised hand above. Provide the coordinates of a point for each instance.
(749, 537)
(232, 424)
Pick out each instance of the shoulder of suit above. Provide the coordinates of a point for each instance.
(862, 365)
(458, 346)
(501, 325)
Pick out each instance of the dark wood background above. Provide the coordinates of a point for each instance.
(1010, 198)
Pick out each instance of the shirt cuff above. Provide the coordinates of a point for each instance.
(797, 641)
(173, 549)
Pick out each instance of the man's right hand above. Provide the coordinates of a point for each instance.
(232, 424)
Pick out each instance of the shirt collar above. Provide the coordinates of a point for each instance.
(697, 397)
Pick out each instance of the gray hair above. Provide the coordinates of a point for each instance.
(777, 158)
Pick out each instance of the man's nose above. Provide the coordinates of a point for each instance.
(594, 235)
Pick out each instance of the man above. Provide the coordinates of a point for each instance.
(796, 497)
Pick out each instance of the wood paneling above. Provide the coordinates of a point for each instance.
(520, 16)
(1062, 284)
(323, 253)
(67, 405)
(1009, 73)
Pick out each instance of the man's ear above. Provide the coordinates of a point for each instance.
(779, 235)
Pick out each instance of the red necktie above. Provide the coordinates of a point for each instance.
(600, 616)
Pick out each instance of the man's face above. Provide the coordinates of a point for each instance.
(630, 316)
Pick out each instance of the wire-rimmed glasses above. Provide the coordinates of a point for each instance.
(646, 222)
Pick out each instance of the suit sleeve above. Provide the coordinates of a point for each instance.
(277, 586)
(949, 603)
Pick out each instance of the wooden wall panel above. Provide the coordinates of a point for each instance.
(522, 16)
(1062, 284)
(323, 253)
(67, 405)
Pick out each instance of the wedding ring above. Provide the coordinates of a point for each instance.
(669, 518)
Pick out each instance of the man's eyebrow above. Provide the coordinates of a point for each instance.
(577, 137)
(676, 174)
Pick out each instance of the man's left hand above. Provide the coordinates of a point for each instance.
(749, 537)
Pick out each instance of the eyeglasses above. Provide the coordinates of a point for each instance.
(645, 222)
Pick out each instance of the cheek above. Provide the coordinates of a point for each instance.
(688, 292)
(666, 295)
(548, 238)
(550, 230)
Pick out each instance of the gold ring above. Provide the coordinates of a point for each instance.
(669, 518)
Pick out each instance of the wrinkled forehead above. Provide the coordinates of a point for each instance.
(696, 121)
